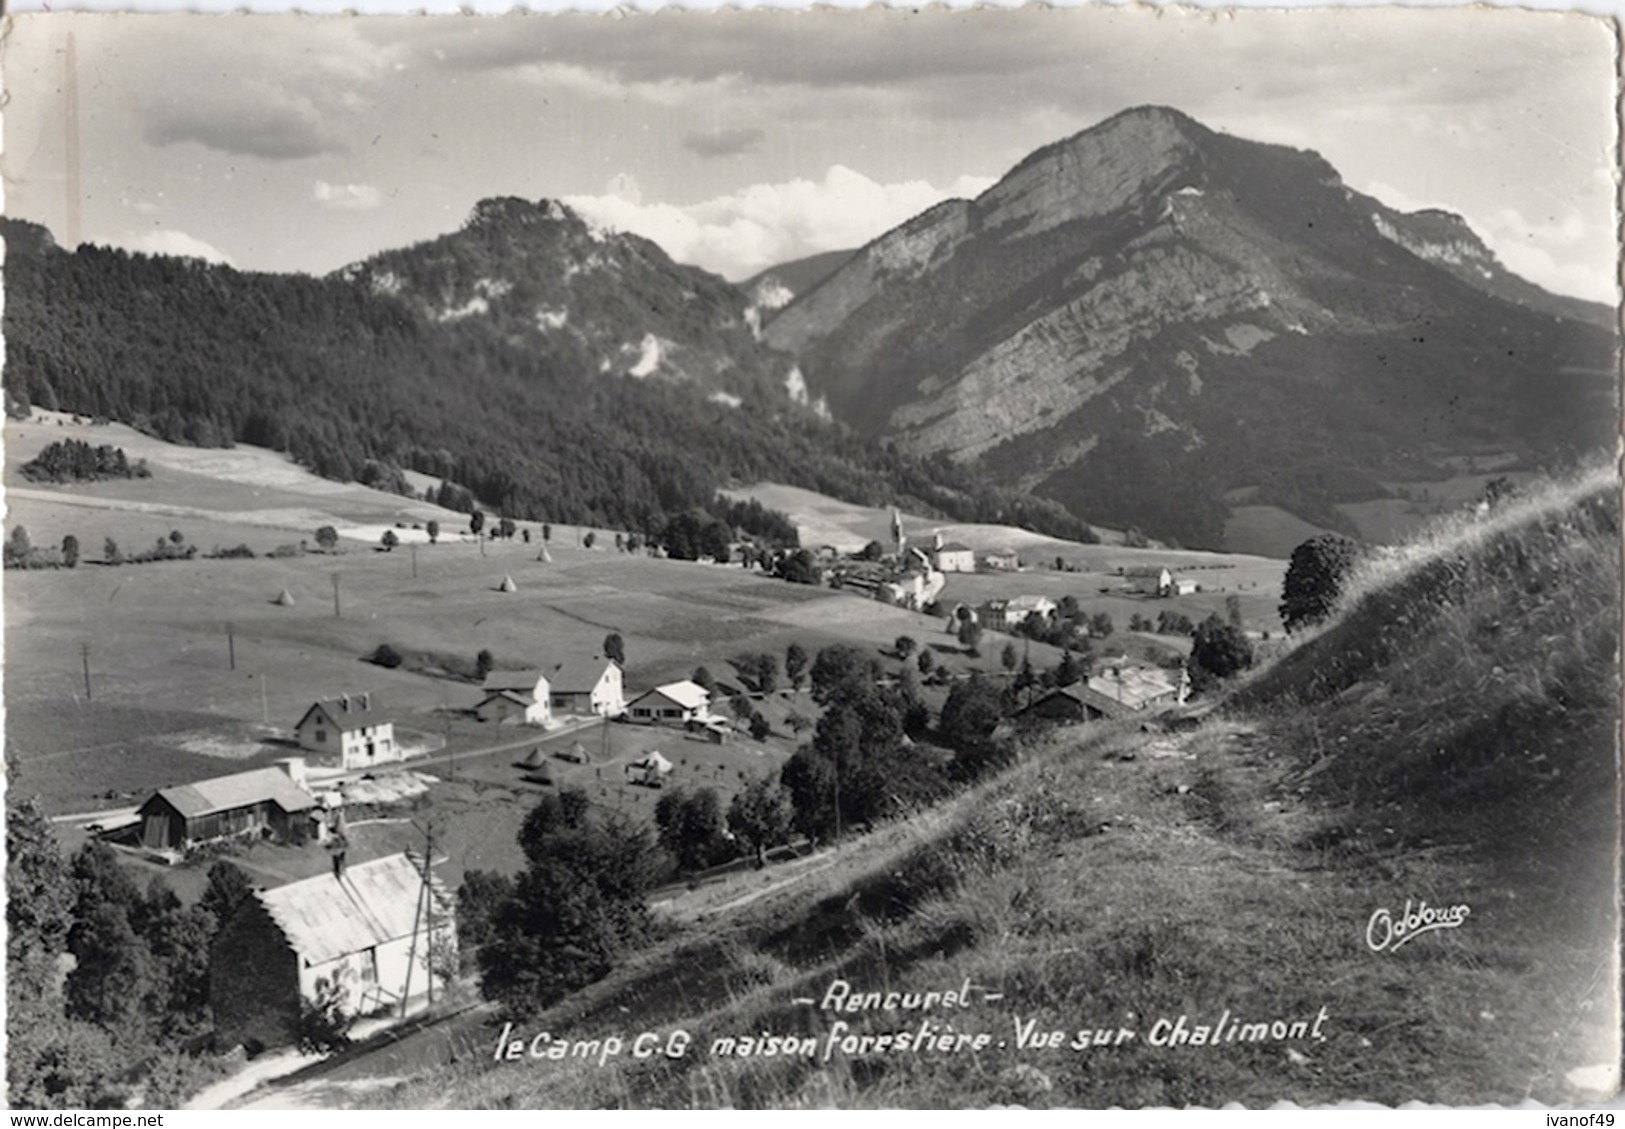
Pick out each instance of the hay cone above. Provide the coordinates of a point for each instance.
(545, 557)
(507, 585)
(284, 599)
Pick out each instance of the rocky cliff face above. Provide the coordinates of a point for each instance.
(1144, 316)
(538, 275)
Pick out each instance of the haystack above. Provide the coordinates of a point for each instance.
(284, 599)
(507, 585)
(544, 556)
(535, 760)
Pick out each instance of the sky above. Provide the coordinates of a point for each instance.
(738, 140)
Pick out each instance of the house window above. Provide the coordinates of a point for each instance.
(321, 735)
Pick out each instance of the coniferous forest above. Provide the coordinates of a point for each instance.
(346, 376)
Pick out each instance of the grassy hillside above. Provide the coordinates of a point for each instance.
(1449, 738)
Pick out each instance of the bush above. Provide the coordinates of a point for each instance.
(323, 1025)
(386, 656)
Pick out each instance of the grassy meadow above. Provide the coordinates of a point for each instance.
(1447, 738)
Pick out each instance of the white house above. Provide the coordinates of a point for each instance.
(1149, 580)
(1184, 586)
(586, 684)
(516, 697)
(1004, 615)
(361, 932)
(674, 703)
(1002, 560)
(349, 732)
(955, 557)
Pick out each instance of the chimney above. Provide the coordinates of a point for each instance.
(338, 864)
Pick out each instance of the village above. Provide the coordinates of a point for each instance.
(316, 716)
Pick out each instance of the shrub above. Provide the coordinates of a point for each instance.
(386, 656)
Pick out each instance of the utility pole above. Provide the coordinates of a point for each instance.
(84, 655)
(231, 644)
(337, 614)
(414, 560)
(424, 910)
(265, 701)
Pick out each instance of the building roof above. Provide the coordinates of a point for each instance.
(1145, 570)
(1082, 694)
(517, 697)
(239, 790)
(577, 674)
(689, 695)
(955, 547)
(1134, 686)
(375, 902)
(525, 680)
(356, 715)
(1029, 603)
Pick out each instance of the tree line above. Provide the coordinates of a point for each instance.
(357, 383)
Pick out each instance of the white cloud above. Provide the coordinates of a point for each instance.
(745, 231)
(166, 241)
(347, 197)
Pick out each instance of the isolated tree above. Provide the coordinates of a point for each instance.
(1134, 539)
(1232, 611)
(484, 663)
(526, 535)
(1067, 672)
(615, 647)
(1219, 650)
(327, 537)
(1068, 608)
(702, 677)
(1100, 625)
(1009, 658)
(1314, 579)
(970, 636)
(795, 664)
(432, 528)
(547, 532)
(904, 646)
(873, 551)
(634, 543)
(760, 727)
(759, 817)
(505, 528)
(926, 661)
(620, 543)
(590, 539)
(389, 540)
(385, 656)
(70, 551)
(476, 522)
(575, 910)
(176, 537)
(742, 707)
(18, 546)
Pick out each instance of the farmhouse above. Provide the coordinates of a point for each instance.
(515, 697)
(1003, 615)
(363, 932)
(348, 730)
(262, 801)
(1184, 586)
(1139, 688)
(586, 684)
(955, 557)
(674, 703)
(1077, 702)
(1148, 580)
(1002, 560)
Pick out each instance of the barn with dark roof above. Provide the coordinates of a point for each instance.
(258, 802)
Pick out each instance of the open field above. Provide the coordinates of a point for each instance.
(165, 705)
